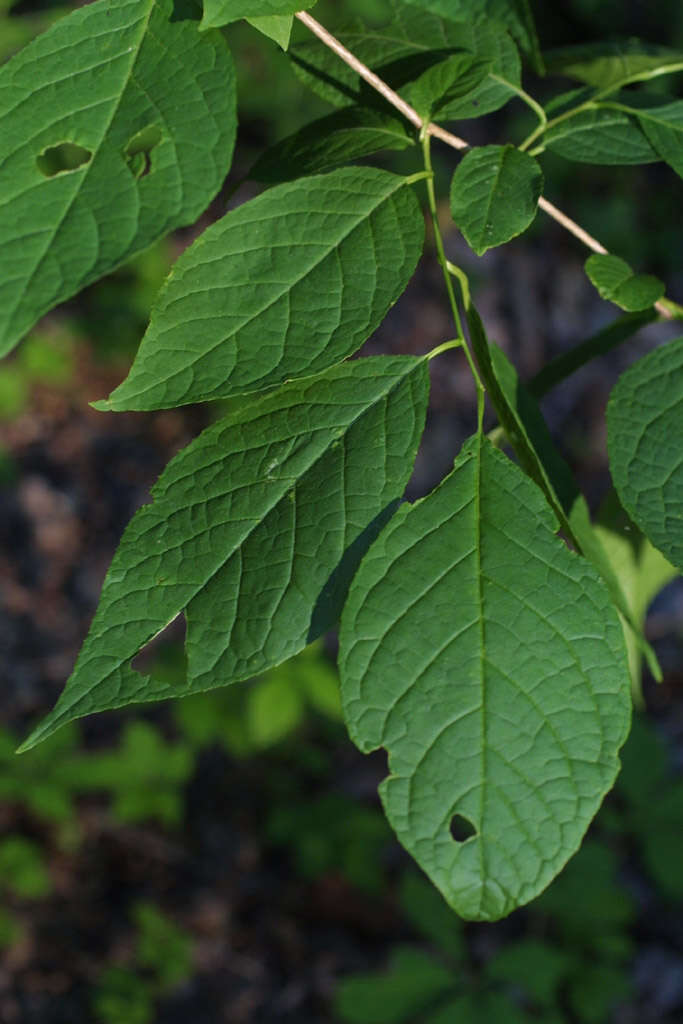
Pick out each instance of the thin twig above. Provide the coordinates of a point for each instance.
(439, 133)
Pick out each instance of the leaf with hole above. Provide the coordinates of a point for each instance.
(254, 533)
(413, 42)
(346, 135)
(97, 157)
(489, 661)
(645, 444)
(494, 195)
(282, 287)
(616, 282)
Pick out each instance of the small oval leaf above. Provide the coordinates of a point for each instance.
(616, 282)
(494, 195)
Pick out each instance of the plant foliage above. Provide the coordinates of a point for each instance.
(491, 657)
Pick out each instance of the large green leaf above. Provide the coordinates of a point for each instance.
(601, 136)
(494, 195)
(339, 138)
(489, 662)
(610, 65)
(284, 286)
(402, 51)
(616, 282)
(645, 443)
(254, 532)
(222, 12)
(98, 158)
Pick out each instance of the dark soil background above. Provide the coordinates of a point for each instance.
(269, 940)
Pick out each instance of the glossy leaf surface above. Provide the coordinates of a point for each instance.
(645, 442)
(284, 286)
(494, 195)
(488, 660)
(97, 157)
(254, 532)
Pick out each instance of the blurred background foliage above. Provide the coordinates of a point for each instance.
(225, 858)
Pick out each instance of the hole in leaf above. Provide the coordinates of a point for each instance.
(64, 157)
(164, 655)
(461, 828)
(139, 149)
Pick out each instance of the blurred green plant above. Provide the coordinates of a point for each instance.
(48, 357)
(253, 717)
(23, 871)
(161, 960)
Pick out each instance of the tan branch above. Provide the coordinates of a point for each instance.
(440, 133)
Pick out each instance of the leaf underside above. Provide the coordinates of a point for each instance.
(254, 532)
(488, 660)
(282, 287)
(645, 444)
(60, 231)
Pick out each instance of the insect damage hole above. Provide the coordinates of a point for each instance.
(461, 829)
(138, 152)
(62, 158)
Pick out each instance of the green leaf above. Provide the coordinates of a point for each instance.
(255, 530)
(664, 128)
(494, 195)
(162, 947)
(489, 662)
(339, 138)
(402, 51)
(515, 15)
(601, 136)
(645, 444)
(616, 282)
(277, 27)
(282, 287)
(445, 83)
(411, 985)
(526, 430)
(221, 12)
(613, 64)
(148, 163)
